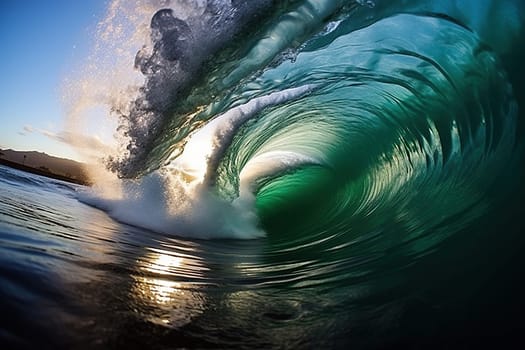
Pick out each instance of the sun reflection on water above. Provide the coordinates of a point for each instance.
(163, 264)
(160, 295)
(158, 291)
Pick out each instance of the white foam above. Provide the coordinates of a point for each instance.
(170, 202)
(268, 164)
(164, 203)
(207, 147)
(265, 165)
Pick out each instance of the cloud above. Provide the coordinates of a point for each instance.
(91, 143)
(28, 129)
(89, 146)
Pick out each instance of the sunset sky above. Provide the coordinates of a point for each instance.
(43, 43)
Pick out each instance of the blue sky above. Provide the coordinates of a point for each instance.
(42, 43)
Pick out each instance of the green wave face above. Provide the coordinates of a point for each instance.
(357, 131)
(408, 129)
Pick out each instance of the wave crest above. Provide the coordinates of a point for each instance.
(360, 122)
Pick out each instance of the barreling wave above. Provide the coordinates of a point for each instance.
(324, 121)
(406, 130)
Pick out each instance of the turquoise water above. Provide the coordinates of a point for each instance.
(308, 174)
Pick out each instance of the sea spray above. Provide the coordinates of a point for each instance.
(167, 204)
(170, 202)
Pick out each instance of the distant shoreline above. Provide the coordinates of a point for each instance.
(42, 172)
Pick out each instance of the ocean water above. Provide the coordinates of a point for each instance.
(298, 174)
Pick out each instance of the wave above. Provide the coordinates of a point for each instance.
(370, 125)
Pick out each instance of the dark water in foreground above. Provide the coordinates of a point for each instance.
(71, 277)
